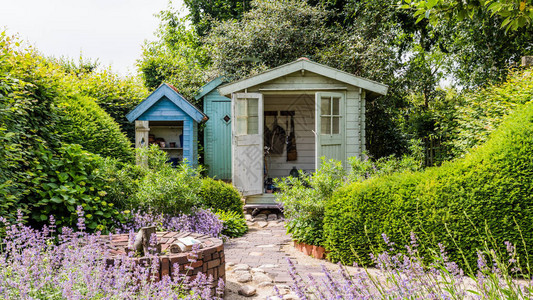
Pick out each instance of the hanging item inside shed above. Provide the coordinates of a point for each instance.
(292, 154)
(275, 138)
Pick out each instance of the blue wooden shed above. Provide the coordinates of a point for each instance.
(217, 131)
(167, 119)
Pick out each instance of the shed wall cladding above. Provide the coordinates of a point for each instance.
(217, 135)
(304, 124)
(296, 80)
(163, 110)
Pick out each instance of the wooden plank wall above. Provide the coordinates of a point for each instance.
(304, 123)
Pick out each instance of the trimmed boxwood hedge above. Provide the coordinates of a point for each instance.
(218, 195)
(463, 204)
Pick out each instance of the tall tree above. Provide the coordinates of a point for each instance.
(204, 12)
(513, 14)
(176, 57)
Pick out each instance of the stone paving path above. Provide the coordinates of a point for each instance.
(263, 247)
(266, 246)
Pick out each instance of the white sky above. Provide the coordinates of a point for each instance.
(111, 31)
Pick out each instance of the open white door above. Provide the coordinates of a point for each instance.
(247, 143)
(330, 127)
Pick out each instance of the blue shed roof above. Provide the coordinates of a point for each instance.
(208, 87)
(170, 92)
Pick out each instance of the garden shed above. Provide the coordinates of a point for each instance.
(287, 118)
(165, 118)
(217, 130)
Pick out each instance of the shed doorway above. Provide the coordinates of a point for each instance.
(289, 138)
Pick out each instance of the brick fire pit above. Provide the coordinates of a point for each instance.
(211, 260)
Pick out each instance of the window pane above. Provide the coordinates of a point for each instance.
(336, 104)
(241, 125)
(253, 125)
(240, 108)
(336, 125)
(252, 107)
(325, 125)
(325, 106)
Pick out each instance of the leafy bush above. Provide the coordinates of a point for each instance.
(481, 112)
(66, 180)
(363, 169)
(115, 94)
(222, 196)
(233, 222)
(40, 174)
(303, 200)
(121, 182)
(82, 121)
(484, 197)
(165, 189)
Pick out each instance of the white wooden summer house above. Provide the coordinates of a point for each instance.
(322, 107)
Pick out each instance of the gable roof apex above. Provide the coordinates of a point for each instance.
(308, 65)
(170, 92)
(208, 87)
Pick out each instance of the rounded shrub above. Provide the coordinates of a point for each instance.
(83, 122)
(234, 225)
(474, 203)
(219, 195)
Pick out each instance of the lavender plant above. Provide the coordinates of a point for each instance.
(406, 276)
(199, 221)
(41, 264)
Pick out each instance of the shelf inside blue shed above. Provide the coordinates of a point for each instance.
(168, 135)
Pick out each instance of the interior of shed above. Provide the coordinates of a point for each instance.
(289, 137)
(168, 135)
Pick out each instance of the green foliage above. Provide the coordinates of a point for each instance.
(363, 169)
(303, 200)
(479, 113)
(120, 182)
(220, 196)
(40, 173)
(65, 180)
(81, 121)
(514, 14)
(177, 57)
(233, 222)
(272, 33)
(203, 12)
(484, 197)
(116, 95)
(165, 189)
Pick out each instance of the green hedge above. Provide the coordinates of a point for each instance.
(460, 204)
(83, 122)
(219, 195)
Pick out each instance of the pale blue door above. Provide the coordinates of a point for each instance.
(219, 140)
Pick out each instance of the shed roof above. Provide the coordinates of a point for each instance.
(170, 92)
(208, 87)
(304, 64)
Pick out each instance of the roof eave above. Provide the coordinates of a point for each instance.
(307, 65)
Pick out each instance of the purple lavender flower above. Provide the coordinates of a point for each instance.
(73, 266)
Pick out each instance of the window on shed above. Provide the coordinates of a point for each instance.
(330, 115)
(247, 116)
